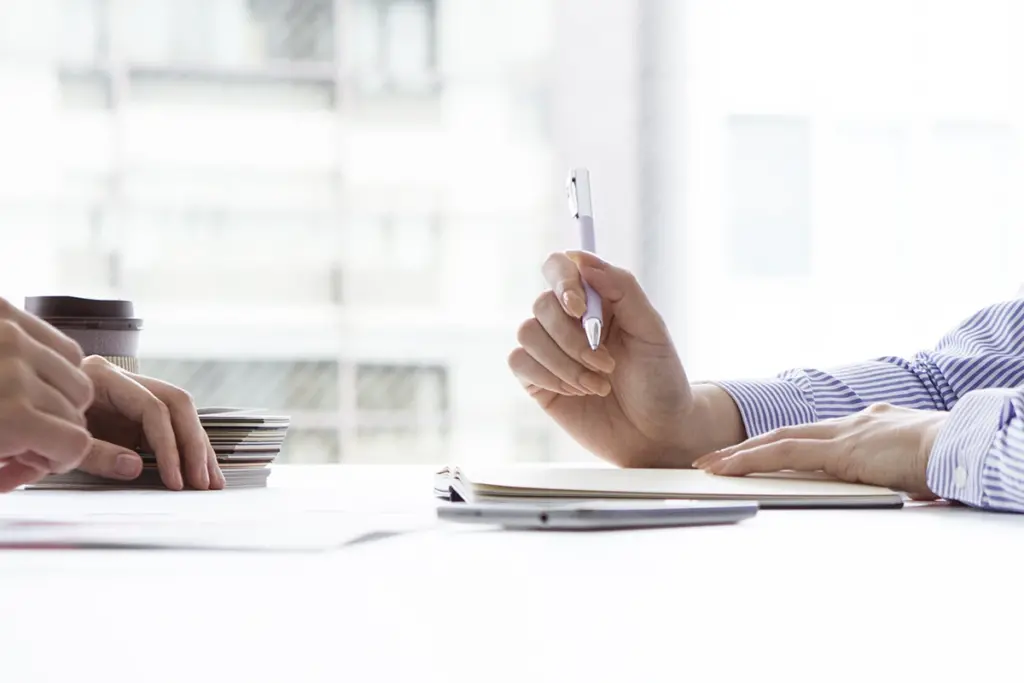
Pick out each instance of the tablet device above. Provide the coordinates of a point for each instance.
(599, 514)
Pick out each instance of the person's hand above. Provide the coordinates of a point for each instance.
(882, 445)
(131, 411)
(43, 396)
(629, 401)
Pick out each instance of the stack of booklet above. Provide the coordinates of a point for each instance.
(245, 440)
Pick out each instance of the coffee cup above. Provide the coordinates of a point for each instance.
(102, 327)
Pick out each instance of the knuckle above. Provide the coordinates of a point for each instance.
(74, 351)
(543, 304)
(159, 409)
(629, 278)
(560, 271)
(89, 390)
(515, 359)
(15, 414)
(23, 375)
(7, 309)
(14, 411)
(96, 371)
(180, 397)
(558, 262)
(878, 408)
(96, 363)
(553, 260)
(784, 447)
(527, 331)
(783, 433)
(16, 376)
(11, 336)
(79, 444)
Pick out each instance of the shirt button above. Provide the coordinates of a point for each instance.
(960, 477)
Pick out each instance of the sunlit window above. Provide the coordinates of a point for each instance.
(339, 208)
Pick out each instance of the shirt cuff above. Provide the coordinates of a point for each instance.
(957, 460)
(769, 404)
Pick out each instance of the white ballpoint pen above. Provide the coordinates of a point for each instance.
(581, 208)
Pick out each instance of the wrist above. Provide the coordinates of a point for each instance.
(930, 429)
(712, 422)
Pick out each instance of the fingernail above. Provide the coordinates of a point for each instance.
(128, 466)
(599, 360)
(595, 383)
(574, 303)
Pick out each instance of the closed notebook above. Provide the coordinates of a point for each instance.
(532, 483)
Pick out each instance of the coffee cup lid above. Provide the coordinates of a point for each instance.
(57, 307)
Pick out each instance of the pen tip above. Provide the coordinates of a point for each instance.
(592, 326)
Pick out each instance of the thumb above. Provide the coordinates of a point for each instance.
(623, 297)
(111, 461)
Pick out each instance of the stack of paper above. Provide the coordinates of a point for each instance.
(245, 440)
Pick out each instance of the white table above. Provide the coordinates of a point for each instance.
(921, 592)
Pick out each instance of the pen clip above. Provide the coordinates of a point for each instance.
(578, 191)
(571, 193)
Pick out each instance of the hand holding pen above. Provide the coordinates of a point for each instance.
(596, 355)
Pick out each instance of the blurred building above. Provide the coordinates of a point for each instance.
(338, 208)
(335, 208)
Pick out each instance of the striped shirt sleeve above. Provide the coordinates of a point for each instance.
(976, 372)
(978, 457)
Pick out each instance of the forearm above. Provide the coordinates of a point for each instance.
(801, 396)
(727, 412)
(983, 351)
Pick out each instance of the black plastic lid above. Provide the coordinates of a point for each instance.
(73, 307)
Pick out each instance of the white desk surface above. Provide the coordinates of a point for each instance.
(928, 593)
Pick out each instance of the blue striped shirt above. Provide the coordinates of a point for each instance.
(975, 372)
